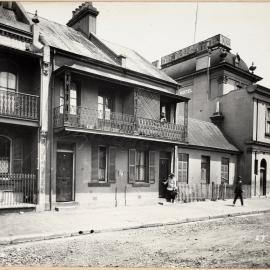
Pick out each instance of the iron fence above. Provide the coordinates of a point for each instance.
(202, 192)
(86, 118)
(17, 189)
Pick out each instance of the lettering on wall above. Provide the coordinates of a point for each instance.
(198, 47)
(185, 92)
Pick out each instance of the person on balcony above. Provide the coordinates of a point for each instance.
(238, 191)
(171, 188)
(163, 118)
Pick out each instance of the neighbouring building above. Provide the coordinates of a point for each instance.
(80, 119)
(223, 90)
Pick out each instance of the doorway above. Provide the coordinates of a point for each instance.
(164, 169)
(263, 177)
(65, 176)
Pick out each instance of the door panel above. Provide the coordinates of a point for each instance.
(262, 182)
(64, 177)
(164, 164)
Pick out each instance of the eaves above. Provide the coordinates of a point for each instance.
(115, 68)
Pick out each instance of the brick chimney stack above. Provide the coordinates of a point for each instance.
(84, 18)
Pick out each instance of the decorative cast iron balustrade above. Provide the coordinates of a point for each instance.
(86, 118)
(18, 105)
(17, 189)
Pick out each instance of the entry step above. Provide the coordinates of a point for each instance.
(65, 206)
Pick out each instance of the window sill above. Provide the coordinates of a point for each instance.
(141, 185)
(97, 184)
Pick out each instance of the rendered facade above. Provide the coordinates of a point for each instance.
(81, 125)
(223, 90)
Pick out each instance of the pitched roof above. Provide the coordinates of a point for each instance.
(67, 39)
(206, 134)
(136, 62)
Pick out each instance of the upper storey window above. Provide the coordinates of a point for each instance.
(8, 81)
(267, 121)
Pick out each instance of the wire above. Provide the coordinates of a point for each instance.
(196, 18)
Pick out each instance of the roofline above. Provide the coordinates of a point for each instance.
(254, 77)
(262, 90)
(213, 149)
(68, 68)
(124, 70)
(17, 31)
(28, 53)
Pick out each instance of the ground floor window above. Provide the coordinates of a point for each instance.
(183, 160)
(4, 154)
(142, 166)
(102, 163)
(205, 169)
(225, 170)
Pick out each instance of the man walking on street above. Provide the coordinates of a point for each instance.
(238, 191)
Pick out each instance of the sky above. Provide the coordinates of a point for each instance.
(155, 29)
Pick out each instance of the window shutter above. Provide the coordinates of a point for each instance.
(17, 155)
(94, 171)
(111, 171)
(152, 167)
(131, 165)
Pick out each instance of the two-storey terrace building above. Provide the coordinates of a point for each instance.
(81, 119)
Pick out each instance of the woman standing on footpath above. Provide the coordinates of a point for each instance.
(171, 188)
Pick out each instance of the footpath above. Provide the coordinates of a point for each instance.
(36, 226)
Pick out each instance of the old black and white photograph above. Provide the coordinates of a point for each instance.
(135, 134)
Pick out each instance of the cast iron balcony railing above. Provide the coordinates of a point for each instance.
(17, 189)
(79, 117)
(19, 105)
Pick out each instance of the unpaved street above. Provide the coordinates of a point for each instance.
(231, 242)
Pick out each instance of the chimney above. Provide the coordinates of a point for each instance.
(84, 18)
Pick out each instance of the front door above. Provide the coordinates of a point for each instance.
(164, 166)
(64, 177)
(262, 182)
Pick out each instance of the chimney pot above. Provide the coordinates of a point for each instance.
(84, 18)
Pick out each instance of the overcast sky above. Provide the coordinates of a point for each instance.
(157, 29)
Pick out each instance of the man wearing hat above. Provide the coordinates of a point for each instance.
(238, 191)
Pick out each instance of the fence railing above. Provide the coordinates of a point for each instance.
(17, 189)
(19, 105)
(119, 123)
(202, 192)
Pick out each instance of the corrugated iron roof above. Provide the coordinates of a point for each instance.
(8, 17)
(67, 39)
(70, 40)
(136, 62)
(207, 134)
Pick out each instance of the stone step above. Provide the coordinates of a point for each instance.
(66, 206)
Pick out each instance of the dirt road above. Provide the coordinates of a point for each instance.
(232, 242)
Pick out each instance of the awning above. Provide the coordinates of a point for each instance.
(119, 78)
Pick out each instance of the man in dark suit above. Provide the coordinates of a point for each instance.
(238, 191)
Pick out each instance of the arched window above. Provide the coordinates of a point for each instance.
(5, 147)
(8, 81)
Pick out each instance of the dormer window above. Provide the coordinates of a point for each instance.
(8, 81)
